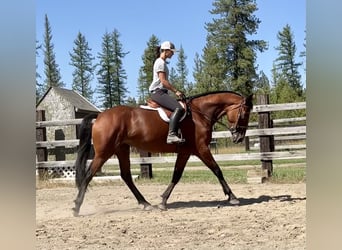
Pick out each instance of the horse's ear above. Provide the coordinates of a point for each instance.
(249, 100)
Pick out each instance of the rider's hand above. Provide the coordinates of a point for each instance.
(180, 94)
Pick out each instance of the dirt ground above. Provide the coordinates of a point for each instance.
(271, 216)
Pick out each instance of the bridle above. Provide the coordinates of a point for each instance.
(233, 129)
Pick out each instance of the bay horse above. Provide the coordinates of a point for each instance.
(120, 127)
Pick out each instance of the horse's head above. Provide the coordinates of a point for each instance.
(238, 118)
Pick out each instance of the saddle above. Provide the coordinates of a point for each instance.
(164, 113)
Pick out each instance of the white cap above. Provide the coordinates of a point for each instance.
(168, 45)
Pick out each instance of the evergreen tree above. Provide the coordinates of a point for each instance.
(52, 74)
(143, 92)
(146, 71)
(180, 81)
(111, 75)
(105, 87)
(229, 57)
(174, 79)
(285, 62)
(303, 53)
(282, 92)
(81, 59)
(214, 71)
(39, 86)
(262, 84)
(119, 73)
(131, 102)
(198, 75)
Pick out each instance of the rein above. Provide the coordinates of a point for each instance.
(232, 129)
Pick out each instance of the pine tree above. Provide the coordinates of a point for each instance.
(119, 73)
(285, 62)
(214, 71)
(173, 78)
(52, 74)
(146, 71)
(131, 102)
(39, 86)
(81, 59)
(262, 84)
(143, 92)
(229, 57)
(284, 93)
(180, 81)
(111, 74)
(105, 86)
(198, 75)
(303, 53)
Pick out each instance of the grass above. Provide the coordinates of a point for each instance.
(198, 176)
(283, 172)
(281, 175)
(115, 168)
(289, 175)
(236, 176)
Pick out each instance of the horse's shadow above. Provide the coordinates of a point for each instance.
(214, 203)
(243, 202)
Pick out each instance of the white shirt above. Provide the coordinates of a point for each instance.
(159, 66)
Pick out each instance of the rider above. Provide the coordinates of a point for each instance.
(159, 90)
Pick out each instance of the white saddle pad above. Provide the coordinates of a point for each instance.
(161, 112)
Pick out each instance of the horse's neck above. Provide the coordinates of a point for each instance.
(216, 101)
(214, 106)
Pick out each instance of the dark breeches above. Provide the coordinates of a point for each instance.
(162, 97)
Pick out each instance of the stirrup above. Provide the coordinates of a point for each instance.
(172, 138)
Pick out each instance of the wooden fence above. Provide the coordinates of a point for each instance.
(261, 132)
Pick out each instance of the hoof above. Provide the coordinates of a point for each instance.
(76, 212)
(148, 208)
(234, 201)
(162, 207)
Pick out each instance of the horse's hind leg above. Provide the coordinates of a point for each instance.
(125, 172)
(94, 166)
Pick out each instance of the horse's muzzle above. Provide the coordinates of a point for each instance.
(238, 136)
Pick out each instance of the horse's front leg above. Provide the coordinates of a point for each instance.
(177, 174)
(208, 159)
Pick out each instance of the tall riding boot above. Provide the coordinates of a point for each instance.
(173, 127)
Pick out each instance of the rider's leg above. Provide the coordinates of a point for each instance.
(162, 97)
(173, 127)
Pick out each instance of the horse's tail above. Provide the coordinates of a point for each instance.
(82, 170)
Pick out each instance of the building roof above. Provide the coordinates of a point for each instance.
(79, 102)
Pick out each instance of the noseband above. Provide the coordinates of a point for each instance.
(236, 126)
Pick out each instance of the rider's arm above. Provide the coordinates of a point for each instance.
(167, 84)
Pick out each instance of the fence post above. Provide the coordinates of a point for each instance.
(145, 168)
(42, 154)
(247, 147)
(266, 141)
(60, 150)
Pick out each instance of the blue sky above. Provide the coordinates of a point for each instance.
(181, 21)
